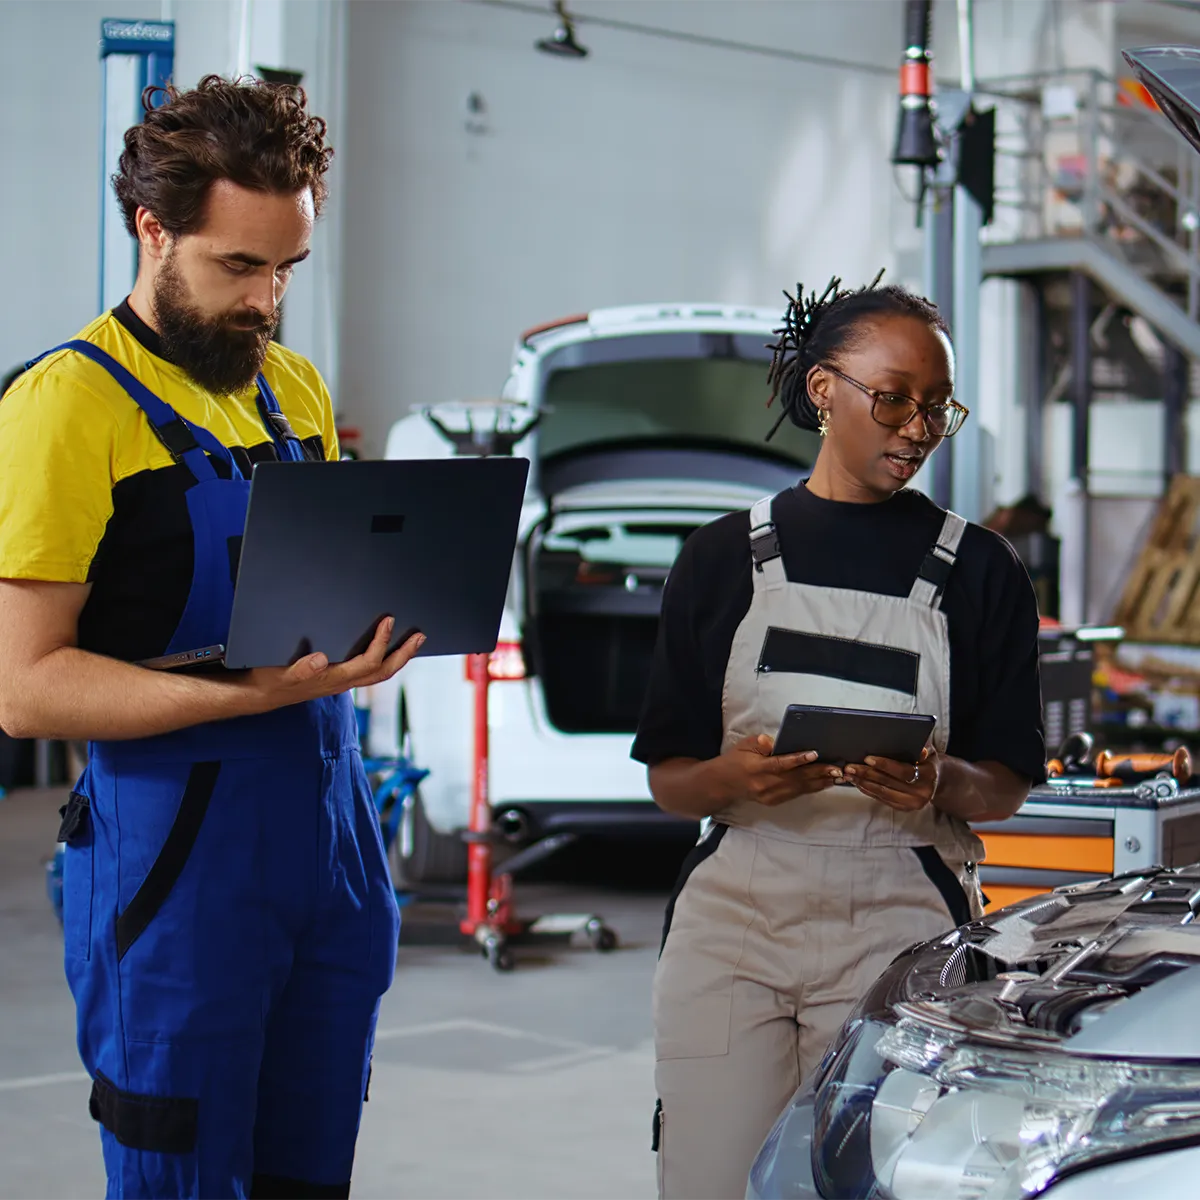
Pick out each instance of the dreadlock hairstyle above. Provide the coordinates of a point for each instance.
(817, 330)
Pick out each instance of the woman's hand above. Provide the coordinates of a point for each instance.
(752, 772)
(901, 786)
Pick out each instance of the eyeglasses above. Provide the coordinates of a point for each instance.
(941, 420)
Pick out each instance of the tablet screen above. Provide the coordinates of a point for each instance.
(842, 736)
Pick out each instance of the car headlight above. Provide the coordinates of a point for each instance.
(913, 1108)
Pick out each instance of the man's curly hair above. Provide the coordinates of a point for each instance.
(257, 135)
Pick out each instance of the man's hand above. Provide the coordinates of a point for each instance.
(313, 676)
(753, 773)
(49, 688)
(901, 786)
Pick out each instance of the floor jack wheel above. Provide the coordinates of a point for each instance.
(490, 918)
(496, 951)
(602, 938)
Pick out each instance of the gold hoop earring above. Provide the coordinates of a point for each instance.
(823, 423)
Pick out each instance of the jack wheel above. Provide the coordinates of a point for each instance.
(496, 951)
(501, 959)
(602, 938)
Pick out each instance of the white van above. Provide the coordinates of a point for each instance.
(650, 422)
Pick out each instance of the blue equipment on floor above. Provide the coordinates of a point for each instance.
(398, 781)
(54, 882)
(394, 783)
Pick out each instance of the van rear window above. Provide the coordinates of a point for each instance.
(677, 400)
(675, 388)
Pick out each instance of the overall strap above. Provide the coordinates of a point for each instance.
(282, 434)
(184, 441)
(939, 562)
(765, 554)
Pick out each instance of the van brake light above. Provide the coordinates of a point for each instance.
(507, 662)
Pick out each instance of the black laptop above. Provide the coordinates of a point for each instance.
(330, 549)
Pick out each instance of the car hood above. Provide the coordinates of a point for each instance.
(1110, 968)
(1171, 74)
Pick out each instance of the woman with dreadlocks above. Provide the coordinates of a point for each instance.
(848, 590)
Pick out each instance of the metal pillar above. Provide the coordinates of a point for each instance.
(1035, 383)
(134, 55)
(939, 287)
(1175, 395)
(953, 274)
(1194, 240)
(1075, 519)
(1081, 374)
(968, 489)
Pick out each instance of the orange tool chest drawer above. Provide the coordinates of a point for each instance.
(1030, 854)
(1073, 834)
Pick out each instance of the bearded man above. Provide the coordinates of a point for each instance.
(228, 916)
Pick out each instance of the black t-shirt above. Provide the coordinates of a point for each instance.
(989, 602)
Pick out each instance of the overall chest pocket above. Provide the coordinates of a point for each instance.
(864, 664)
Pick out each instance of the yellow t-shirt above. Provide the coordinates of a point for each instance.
(88, 493)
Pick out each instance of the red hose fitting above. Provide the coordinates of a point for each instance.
(915, 78)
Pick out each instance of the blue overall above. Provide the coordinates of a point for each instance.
(229, 919)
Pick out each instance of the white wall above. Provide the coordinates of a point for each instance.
(653, 170)
(1126, 452)
(1125, 437)
(314, 41)
(1013, 39)
(50, 89)
(50, 129)
(1153, 24)
(650, 171)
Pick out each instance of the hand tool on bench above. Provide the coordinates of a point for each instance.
(1133, 768)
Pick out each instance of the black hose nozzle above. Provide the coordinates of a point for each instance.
(915, 143)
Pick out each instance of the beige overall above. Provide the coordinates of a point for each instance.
(784, 916)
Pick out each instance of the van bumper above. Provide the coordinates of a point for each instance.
(529, 820)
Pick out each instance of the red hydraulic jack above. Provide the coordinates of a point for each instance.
(491, 920)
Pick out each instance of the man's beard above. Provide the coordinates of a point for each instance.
(216, 353)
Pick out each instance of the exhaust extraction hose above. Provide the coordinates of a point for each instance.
(915, 143)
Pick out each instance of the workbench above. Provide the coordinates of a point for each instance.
(1069, 834)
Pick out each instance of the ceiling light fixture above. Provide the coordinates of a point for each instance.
(563, 42)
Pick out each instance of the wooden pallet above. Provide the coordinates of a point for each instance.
(1161, 601)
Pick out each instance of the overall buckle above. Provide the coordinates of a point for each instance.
(73, 814)
(764, 545)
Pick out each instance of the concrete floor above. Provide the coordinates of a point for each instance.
(534, 1084)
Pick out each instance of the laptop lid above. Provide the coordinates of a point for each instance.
(330, 549)
(1171, 74)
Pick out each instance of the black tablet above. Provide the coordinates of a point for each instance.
(852, 735)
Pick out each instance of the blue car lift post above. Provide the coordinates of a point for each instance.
(489, 919)
(134, 55)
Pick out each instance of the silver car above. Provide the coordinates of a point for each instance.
(1053, 1046)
